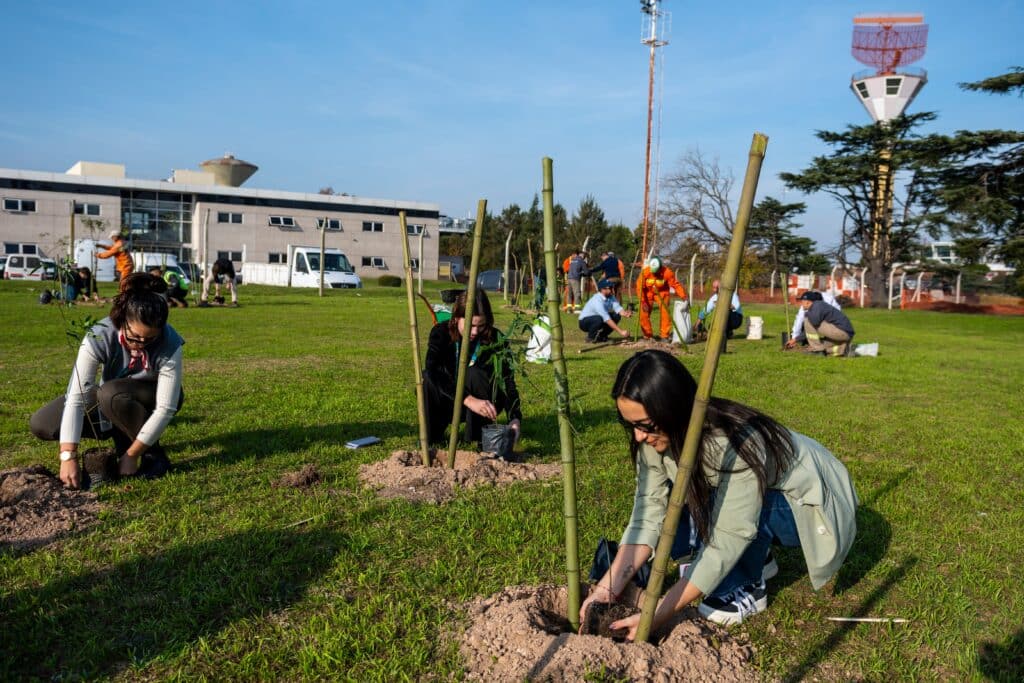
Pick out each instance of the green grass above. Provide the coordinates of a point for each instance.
(206, 574)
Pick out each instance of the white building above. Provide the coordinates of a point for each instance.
(196, 209)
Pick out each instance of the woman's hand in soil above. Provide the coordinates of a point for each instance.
(598, 594)
(629, 625)
(69, 473)
(481, 407)
(127, 465)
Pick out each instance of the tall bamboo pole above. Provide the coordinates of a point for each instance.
(71, 241)
(419, 270)
(467, 327)
(572, 560)
(421, 405)
(707, 379)
(508, 241)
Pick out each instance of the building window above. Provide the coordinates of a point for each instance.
(228, 217)
(282, 221)
(862, 89)
(19, 248)
(83, 209)
(230, 255)
(415, 262)
(277, 257)
(892, 86)
(414, 229)
(332, 224)
(372, 226)
(22, 205)
(373, 262)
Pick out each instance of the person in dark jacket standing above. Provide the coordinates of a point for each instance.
(490, 385)
(827, 330)
(612, 270)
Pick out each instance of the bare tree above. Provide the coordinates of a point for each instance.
(696, 203)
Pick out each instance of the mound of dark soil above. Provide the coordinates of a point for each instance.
(302, 479)
(521, 634)
(36, 508)
(403, 475)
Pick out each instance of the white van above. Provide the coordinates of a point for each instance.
(167, 262)
(30, 267)
(304, 270)
(85, 257)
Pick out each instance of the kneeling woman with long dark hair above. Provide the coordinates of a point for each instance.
(137, 356)
(490, 387)
(755, 482)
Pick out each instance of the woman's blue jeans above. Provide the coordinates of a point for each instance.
(776, 525)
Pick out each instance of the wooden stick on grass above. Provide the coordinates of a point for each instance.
(421, 404)
(572, 560)
(707, 378)
(460, 384)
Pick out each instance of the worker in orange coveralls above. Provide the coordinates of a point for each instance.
(655, 287)
(123, 263)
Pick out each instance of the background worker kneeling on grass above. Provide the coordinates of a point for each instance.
(137, 356)
(490, 385)
(754, 482)
(827, 330)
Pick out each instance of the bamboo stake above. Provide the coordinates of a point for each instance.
(419, 270)
(572, 560)
(421, 404)
(707, 379)
(508, 241)
(784, 277)
(467, 327)
(532, 276)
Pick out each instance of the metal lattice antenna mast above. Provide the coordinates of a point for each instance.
(653, 32)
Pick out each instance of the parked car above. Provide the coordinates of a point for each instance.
(3, 264)
(494, 281)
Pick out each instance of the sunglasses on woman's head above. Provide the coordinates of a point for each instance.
(645, 426)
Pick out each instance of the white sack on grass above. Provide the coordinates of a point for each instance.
(866, 349)
(681, 318)
(538, 350)
(755, 327)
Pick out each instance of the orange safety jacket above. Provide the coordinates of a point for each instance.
(122, 259)
(650, 286)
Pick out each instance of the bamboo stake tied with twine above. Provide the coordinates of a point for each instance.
(695, 428)
(421, 405)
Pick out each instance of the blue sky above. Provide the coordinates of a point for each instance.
(448, 101)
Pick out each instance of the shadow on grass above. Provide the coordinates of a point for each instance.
(1003, 662)
(821, 651)
(230, 447)
(95, 624)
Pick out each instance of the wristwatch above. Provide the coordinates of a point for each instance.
(67, 455)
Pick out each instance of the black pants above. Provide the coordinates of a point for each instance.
(596, 328)
(440, 406)
(126, 403)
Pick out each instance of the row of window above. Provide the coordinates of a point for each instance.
(29, 206)
(332, 224)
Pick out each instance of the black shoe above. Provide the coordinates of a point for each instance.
(100, 467)
(591, 339)
(733, 608)
(154, 463)
(204, 304)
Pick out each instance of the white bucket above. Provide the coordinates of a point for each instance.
(538, 349)
(755, 326)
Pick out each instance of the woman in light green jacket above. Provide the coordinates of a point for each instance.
(755, 482)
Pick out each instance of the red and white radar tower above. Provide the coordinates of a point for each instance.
(887, 43)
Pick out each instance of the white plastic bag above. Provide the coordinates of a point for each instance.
(681, 318)
(866, 349)
(538, 349)
(755, 327)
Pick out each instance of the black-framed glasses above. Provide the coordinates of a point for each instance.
(141, 341)
(646, 426)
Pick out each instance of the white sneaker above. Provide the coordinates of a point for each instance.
(733, 608)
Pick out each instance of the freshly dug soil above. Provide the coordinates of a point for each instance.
(521, 634)
(302, 479)
(36, 508)
(403, 475)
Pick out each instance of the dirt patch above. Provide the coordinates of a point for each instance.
(36, 508)
(302, 479)
(643, 344)
(521, 634)
(403, 475)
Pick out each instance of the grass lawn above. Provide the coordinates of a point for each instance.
(210, 573)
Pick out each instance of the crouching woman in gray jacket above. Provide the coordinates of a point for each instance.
(755, 482)
(125, 386)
